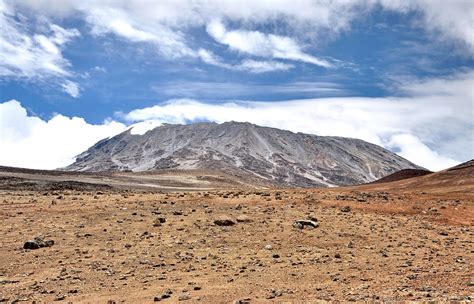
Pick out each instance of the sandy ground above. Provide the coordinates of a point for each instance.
(110, 247)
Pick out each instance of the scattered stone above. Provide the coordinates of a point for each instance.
(243, 219)
(269, 247)
(274, 293)
(165, 295)
(38, 242)
(346, 209)
(158, 221)
(184, 296)
(60, 297)
(224, 221)
(242, 301)
(301, 224)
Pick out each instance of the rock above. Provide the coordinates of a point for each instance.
(158, 221)
(224, 221)
(184, 296)
(60, 297)
(268, 247)
(346, 209)
(274, 293)
(242, 301)
(301, 224)
(38, 242)
(243, 219)
(165, 295)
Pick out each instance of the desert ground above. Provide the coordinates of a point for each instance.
(409, 240)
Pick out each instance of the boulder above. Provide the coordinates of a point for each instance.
(37, 242)
(224, 220)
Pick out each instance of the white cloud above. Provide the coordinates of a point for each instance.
(35, 56)
(209, 58)
(145, 20)
(232, 90)
(413, 148)
(32, 55)
(120, 22)
(248, 65)
(447, 20)
(31, 142)
(166, 24)
(255, 66)
(260, 44)
(72, 88)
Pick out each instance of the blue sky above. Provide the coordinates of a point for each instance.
(344, 64)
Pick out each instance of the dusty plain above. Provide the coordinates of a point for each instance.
(115, 245)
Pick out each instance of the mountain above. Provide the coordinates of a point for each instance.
(279, 157)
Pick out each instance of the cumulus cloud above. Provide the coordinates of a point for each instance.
(31, 142)
(260, 44)
(411, 147)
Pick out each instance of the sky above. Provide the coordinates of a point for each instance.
(396, 73)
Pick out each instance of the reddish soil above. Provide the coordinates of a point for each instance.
(406, 240)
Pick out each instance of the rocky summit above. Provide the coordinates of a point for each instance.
(269, 155)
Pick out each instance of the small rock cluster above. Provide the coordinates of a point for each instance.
(38, 242)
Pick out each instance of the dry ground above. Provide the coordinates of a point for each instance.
(109, 247)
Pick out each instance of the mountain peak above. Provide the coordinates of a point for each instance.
(275, 156)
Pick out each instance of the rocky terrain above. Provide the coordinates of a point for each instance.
(273, 156)
(399, 241)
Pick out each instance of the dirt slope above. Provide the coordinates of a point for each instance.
(402, 174)
(457, 179)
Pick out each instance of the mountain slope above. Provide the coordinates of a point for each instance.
(456, 179)
(402, 174)
(281, 157)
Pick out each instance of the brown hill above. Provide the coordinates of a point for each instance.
(456, 179)
(402, 174)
